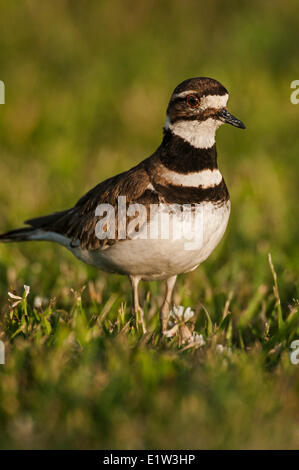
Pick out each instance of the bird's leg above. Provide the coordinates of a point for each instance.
(170, 282)
(137, 310)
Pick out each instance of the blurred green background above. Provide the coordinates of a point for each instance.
(87, 86)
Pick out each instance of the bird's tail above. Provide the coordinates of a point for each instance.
(19, 235)
(48, 227)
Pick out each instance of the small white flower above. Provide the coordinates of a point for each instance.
(177, 311)
(180, 313)
(178, 317)
(188, 314)
(197, 340)
(13, 296)
(39, 302)
(171, 332)
(27, 290)
(17, 297)
(223, 349)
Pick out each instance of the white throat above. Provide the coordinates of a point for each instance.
(200, 134)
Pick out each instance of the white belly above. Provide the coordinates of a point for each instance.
(161, 258)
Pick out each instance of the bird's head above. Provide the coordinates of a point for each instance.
(196, 109)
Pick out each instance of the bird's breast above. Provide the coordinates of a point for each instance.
(174, 240)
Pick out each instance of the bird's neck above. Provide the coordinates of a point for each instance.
(177, 154)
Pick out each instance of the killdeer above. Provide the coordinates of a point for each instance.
(108, 229)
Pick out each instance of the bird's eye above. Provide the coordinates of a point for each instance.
(192, 101)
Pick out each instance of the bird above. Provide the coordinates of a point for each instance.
(164, 216)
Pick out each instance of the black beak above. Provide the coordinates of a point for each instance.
(227, 117)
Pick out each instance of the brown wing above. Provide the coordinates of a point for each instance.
(79, 223)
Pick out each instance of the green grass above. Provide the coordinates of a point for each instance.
(87, 85)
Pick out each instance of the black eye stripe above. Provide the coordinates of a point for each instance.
(182, 99)
(179, 99)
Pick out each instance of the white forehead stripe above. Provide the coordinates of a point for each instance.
(204, 178)
(183, 94)
(209, 101)
(213, 101)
